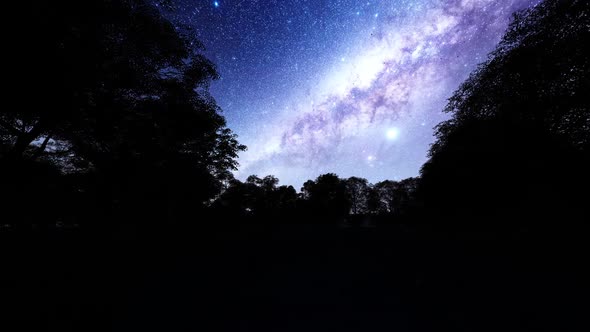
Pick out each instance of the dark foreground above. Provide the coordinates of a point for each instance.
(293, 278)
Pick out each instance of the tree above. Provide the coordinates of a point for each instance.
(257, 197)
(327, 196)
(306, 190)
(269, 183)
(373, 201)
(396, 196)
(120, 92)
(357, 190)
(518, 138)
(386, 193)
(285, 198)
(537, 75)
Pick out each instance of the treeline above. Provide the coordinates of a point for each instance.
(516, 149)
(328, 198)
(110, 120)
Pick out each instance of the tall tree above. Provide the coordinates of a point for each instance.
(117, 90)
(396, 196)
(357, 190)
(537, 75)
(519, 135)
(256, 196)
(327, 195)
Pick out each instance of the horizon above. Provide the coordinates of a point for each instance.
(123, 207)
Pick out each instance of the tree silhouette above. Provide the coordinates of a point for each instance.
(395, 196)
(387, 196)
(327, 196)
(374, 205)
(256, 197)
(286, 198)
(357, 190)
(518, 138)
(124, 97)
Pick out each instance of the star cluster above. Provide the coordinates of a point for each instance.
(344, 86)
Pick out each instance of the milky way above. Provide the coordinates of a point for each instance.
(350, 87)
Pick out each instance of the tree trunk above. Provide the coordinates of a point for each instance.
(42, 148)
(23, 141)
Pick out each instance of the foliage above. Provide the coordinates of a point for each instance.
(112, 88)
(357, 190)
(518, 138)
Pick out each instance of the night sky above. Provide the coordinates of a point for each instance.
(344, 86)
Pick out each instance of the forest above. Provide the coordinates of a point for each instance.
(117, 182)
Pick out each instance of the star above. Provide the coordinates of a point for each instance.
(392, 134)
(328, 86)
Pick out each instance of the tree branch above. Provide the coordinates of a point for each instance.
(41, 148)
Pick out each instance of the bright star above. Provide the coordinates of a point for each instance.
(392, 134)
(216, 4)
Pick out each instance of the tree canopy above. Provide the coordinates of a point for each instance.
(114, 89)
(519, 129)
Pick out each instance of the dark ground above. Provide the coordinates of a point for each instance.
(293, 278)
